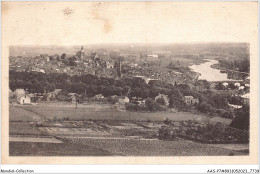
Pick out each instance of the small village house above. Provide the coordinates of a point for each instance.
(98, 98)
(73, 97)
(55, 93)
(26, 99)
(122, 101)
(190, 100)
(11, 94)
(19, 92)
(237, 84)
(245, 98)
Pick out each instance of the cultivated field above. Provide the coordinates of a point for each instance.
(102, 132)
(99, 112)
(54, 149)
(86, 146)
(20, 114)
(24, 128)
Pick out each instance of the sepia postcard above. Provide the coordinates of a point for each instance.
(129, 83)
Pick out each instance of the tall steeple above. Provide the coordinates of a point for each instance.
(81, 52)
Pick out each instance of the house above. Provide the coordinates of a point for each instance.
(190, 100)
(137, 100)
(224, 121)
(11, 93)
(53, 94)
(41, 70)
(246, 98)
(241, 87)
(225, 84)
(234, 106)
(56, 91)
(47, 58)
(98, 97)
(122, 101)
(19, 92)
(26, 99)
(73, 97)
(153, 56)
(143, 78)
(165, 97)
(237, 84)
(162, 52)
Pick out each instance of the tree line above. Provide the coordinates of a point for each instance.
(242, 65)
(90, 85)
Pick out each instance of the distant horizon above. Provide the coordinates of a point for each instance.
(158, 43)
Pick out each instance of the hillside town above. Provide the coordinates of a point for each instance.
(142, 83)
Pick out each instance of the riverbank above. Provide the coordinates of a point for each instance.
(211, 72)
(217, 66)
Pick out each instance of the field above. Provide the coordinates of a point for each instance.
(54, 149)
(97, 112)
(134, 147)
(117, 147)
(102, 132)
(24, 128)
(21, 114)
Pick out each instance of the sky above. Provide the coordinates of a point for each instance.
(79, 23)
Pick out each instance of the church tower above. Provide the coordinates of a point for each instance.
(82, 52)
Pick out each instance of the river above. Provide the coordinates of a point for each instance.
(211, 74)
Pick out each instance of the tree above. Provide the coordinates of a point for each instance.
(184, 87)
(150, 104)
(78, 87)
(161, 101)
(204, 107)
(63, 56)
(118, 91)
(66, 84)
(219, 101)
(125, 90)
(177, 100)
(242, 117)
(72, 61)
(51, 57)
(58, 57)
(219, 86)
(144, 93)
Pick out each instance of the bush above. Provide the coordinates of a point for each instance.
(112, 100)
(177, 101)
(241, 119)
(204, 107)
(220, 111)
(228, 114)
(150, 104)
(66, 118)
(159, 107)
(131, 107)
(165, 133)
(161, 101)
(55, 119)
(166, 121)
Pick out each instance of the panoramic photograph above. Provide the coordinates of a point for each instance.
(130, 99)
(130, 83)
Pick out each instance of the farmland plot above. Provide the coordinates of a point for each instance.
(105, 113)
